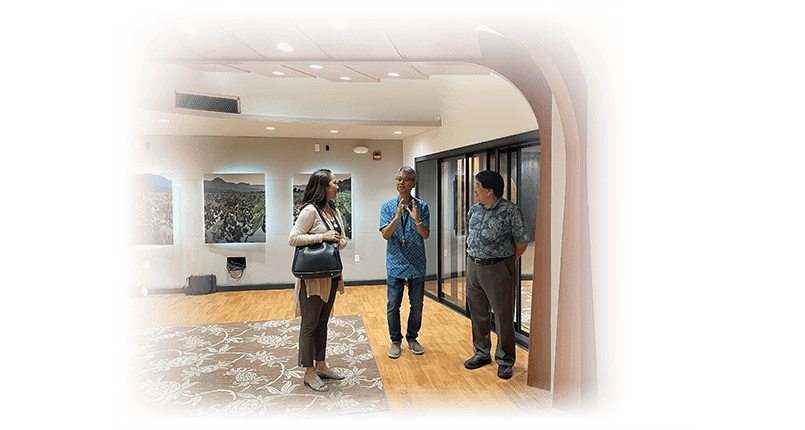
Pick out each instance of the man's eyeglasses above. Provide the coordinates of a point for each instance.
(401, 179)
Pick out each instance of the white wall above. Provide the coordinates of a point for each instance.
(473, 109)
(187, 159)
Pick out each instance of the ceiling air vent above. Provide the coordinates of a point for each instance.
(208, 103)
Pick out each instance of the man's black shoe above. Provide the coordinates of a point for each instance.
(504, 371)
(476, 362)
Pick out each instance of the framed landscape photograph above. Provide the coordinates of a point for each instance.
(152, 207)
(343, 200)
(235, 208)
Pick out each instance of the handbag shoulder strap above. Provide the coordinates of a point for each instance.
(322, 218)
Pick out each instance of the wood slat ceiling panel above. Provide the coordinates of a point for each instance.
(364, 41)
(435, 68)
(435, 39)
(213, 67)
(380, 70)
(269, 69)
(332, 72)
(211, 42)
(263, 34)
(164, 48)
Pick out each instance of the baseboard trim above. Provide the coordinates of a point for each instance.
(260, 287)
(365, 282)
(156, 291)
(252, 287)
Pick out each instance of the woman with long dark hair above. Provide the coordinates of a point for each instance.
(314, 298)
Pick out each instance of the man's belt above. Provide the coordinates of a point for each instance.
(486, 261)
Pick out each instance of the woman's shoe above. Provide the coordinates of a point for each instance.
(316, 384)
(329, 375)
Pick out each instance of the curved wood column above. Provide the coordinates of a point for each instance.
(543, 38)
(513, 63)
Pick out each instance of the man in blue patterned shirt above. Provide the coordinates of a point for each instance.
(496, 238)
(405, 224)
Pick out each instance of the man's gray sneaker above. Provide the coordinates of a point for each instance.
(415, 347)
(394, 350)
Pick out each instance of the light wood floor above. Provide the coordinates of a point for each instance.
(433, 382)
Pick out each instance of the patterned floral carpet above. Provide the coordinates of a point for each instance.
(249, 370)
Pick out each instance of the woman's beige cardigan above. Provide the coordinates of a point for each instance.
(309, 228)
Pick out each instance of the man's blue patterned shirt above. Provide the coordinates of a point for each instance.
(405, 261)
(494, 232)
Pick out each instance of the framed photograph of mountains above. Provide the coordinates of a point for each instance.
(235, 208)
(343, 200)
(152, 207)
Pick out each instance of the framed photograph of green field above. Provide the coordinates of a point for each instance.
(235, 208)
(152, 208)
(343, 200)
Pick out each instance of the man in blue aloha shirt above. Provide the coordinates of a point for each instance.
(495, 240)
(405, 224)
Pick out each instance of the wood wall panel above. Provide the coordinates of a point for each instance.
(212, 67)
(380, 70)
(363, 39)
(450, 68)
(268, 69)
(167, 50)
(209, 40)
(332, 72)
(262, 31)
(443, 40)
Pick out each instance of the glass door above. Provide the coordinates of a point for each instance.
(529, 162)
(519, 168)
(427, 189)
(454, 199)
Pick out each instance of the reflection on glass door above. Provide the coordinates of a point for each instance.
(453, 234)
(529, 186)
(477, 163)
(427, 189)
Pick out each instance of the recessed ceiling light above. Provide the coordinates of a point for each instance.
(315, 66)
(333, 131)
(279, 73)
(187, 28)
(164, 120)
(285, 47)
(339, 23)
(393, 74)
(345, 78)
(270, 128)
(397, 132)
(143, 128)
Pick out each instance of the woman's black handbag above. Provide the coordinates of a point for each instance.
(317, 260)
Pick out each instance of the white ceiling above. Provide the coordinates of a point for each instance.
(301, 107)
(160, 122)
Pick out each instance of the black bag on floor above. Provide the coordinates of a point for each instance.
(199, 285)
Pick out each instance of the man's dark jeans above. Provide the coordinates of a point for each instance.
(416, 294)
